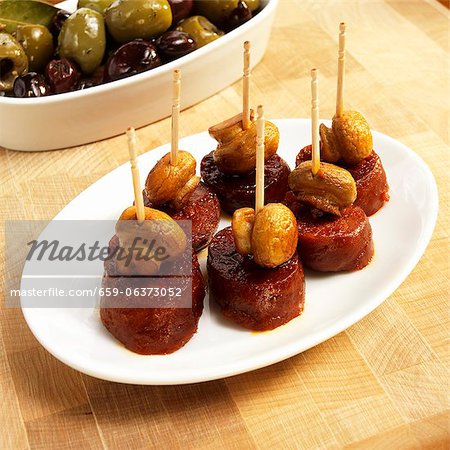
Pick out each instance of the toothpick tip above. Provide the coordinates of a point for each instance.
(260, 110)
(247, 45)
(177, 74)
(314, 73)
(132, 142)
(342, 27)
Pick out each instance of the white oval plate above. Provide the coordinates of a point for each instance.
(402, 230)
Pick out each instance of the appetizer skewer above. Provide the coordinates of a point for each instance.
(143, 323)
(333, 234)
(246, 112)
(230, 169)
(173, 186)
(348, 143)
(254, 272)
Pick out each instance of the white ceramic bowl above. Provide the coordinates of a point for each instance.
(80, 117)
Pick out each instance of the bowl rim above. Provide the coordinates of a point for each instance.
(266, 11)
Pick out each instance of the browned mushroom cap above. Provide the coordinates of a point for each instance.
(275, 235)
(236, 151)
(167, 183)
(157, 226)
(227, 130)
(242, 227)
(271, 236)
(328, 150)
(330, 190)
(349, 139)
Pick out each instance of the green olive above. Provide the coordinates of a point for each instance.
(13, 61)
(83, 40)
(132, 19)
(218, 11)
(97, 5)
(201, 29)
(37, 42)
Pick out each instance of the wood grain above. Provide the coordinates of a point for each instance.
(381, 384)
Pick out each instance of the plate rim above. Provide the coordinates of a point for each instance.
(290, 349)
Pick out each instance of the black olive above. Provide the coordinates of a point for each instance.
(174, 44)
(238, 16)
(86, 84)
(94, 80)
(62, 75)
(133, 57)
(180, 9)
(57, 22)
(6, 65)
(31, 84)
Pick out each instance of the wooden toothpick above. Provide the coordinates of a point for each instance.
(341, 71)
(246, 87)
(260, 124)
(138, 199)
(315, 121)
(176, 96)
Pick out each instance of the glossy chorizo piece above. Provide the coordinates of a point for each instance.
(371, 183)
(236, 192)
(154, 331)
(329, 243)
(203, 209)
(254, 297)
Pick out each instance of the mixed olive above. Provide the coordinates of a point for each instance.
(45, 50)
(62, 75)
(131, 58)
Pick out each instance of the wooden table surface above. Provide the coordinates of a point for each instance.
(383, 382)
